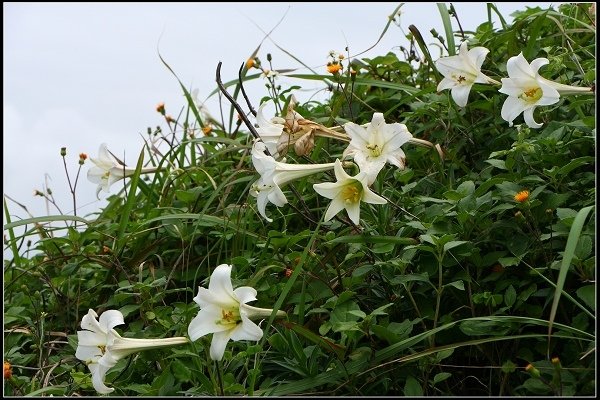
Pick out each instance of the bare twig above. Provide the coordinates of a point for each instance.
(252, 110)
(235, 104)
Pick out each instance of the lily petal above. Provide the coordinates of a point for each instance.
(98, 374)
(247, 330)
(245, 294)
(460, 94)
(220, 283)
(336, 205)
(207, 321)
(218, 344)
(111, 318)
(528, 116)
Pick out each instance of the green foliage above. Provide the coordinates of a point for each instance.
(452, 288)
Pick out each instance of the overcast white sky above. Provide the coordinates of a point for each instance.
(77, 75)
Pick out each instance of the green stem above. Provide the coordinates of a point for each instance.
(438, 297)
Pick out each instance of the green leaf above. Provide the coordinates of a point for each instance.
(373, 239)
(128, 309)
(460, 285)
(412, 387)
(440, 377)
(500, 164)
(510, 296)
(323, 342)
(584, 247)
(181, 371)
(508, 261)
(453, 244)
(588, 295)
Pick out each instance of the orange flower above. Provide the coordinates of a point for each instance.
(207, 129)
(334, 68)
(161, 108)
(522, 196)
(7, 370)
(250, 63)
(83, 156)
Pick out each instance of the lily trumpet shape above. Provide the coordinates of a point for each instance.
(225, 314)
(274, 175)
(107, 170)
(527, 89)
(347, 193)
(269, 131)
(100, 346)
(462, 71)
(376, 145)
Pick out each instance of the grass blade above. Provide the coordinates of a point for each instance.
(572, 240)
(447, 28)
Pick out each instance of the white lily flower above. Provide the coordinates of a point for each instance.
(269, 131)
(347, 193)
(379, 143)
(100, 346)
(526, 90)
(462, 71)
(107, 170)
(274, 175)
(225, 314)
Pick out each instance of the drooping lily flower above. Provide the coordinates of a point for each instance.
(376, 145)
(269, 131)
(526, 90)
(462, 71)
(347, 193)
(225, 314)
(274, 175)
(100, 346)
(107, 170)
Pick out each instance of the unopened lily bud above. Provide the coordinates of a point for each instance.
(533, 371)
(63, 151)
(160, 108)
(250, 63)
(269, 57)
(556, 362)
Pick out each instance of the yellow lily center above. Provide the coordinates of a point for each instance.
(352, 192)
(229, 317)
(374, 150)
(462, 78)
(532, 95)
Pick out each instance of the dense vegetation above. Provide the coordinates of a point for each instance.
(477, 277)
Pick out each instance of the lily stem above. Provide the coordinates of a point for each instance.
(220, 378)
